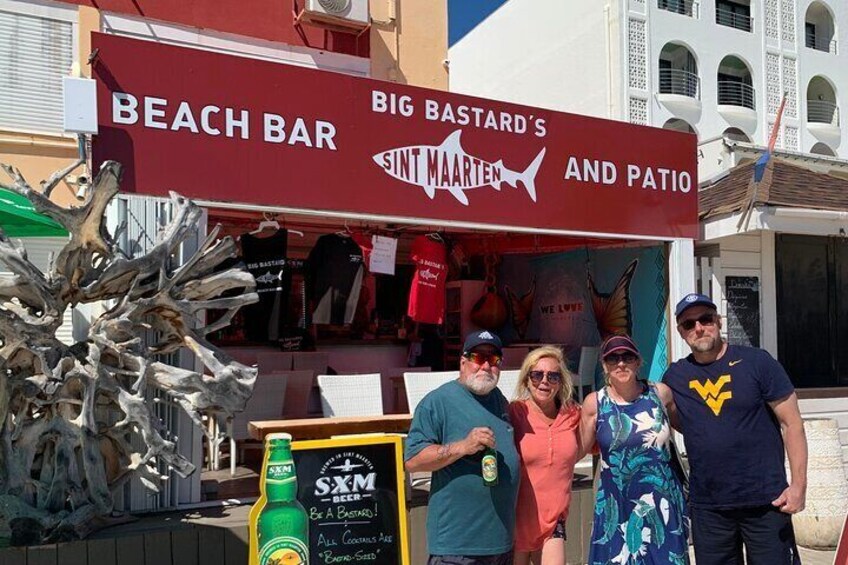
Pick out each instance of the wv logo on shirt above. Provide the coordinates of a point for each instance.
(711, 392)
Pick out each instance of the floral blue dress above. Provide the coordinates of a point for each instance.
(640, 515)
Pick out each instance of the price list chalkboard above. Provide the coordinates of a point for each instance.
(743, 310)
(353, 492)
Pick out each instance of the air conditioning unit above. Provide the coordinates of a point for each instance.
(351, 15)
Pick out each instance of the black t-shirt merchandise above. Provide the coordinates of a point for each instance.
(334, 279)
(265, 259)
(733, 438)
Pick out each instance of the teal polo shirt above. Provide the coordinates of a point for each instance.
(465, 517)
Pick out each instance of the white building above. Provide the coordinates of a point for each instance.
(712, 67)
(716, 68)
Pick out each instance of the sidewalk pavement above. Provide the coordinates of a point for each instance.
(808, 557)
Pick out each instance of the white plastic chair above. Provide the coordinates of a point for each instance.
(266, 403)
(351, 395)
(507, 382)
(417, 385)
(586, 370)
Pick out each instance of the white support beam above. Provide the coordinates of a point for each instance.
(681, 281)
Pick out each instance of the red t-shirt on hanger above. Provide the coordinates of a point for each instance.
(427, 295)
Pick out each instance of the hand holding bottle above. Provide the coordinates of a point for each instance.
(478, 439)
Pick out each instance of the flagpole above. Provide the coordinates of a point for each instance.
(760, 167)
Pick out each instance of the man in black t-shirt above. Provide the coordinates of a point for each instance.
(732, 404)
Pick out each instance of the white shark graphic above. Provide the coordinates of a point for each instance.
(449, 167)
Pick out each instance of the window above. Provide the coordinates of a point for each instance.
(810, 35)
(36, 51)
(733, 15)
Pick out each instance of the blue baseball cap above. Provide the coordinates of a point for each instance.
(482, 337)
(693, 299)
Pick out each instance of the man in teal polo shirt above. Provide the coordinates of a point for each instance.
(468, 523)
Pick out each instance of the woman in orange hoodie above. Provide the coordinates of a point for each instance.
(546, 422)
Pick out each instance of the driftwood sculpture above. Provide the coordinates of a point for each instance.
(68, 413)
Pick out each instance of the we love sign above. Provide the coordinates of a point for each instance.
(219, 127)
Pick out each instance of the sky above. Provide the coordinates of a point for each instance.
(464, 15)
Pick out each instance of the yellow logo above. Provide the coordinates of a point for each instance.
(711, 392)
(732, 363)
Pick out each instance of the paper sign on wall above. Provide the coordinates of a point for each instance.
(383, 255)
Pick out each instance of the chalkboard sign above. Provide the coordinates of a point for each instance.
(353, 491)
(743, 310)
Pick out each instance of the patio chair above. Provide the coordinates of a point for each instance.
(266, 403)
(274, 361)
(317, 361)
(351, 395)
(298, 392)
(394, 397)
(507, 383)
(419, 384)
(585, 376)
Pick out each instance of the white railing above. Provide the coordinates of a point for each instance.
(813, 41)
(730, 18)
(684, 83)
(689, 8)
(822, 112)
(732, 93)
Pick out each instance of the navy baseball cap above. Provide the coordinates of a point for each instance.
(693, 299)
(482, 337)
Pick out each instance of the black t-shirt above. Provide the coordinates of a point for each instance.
(265, 259)
(334, 279)
(732, 437)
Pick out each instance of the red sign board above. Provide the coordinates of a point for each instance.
(233, 129)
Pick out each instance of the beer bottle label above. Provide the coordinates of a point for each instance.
(490, 468)
(280, 473)
(284, 550)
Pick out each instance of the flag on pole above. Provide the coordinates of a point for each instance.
(760, 166)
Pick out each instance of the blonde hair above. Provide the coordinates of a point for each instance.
(522, 390)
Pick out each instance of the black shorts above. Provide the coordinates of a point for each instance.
(765, 531)
(502, 559)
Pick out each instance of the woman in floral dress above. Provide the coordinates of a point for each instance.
(640, 514)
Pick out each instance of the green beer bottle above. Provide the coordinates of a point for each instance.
(282, 528)
(490, 467)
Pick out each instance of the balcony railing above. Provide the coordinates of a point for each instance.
(730, 18)
(822, 112)
(684, 83)
(685, 7)
(820, 43)
(732, 93)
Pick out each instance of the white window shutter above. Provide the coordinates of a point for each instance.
(35, 53)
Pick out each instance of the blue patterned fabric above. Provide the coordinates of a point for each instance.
(639, 509)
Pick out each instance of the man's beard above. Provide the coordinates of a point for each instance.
(482, 386)
(704, 344)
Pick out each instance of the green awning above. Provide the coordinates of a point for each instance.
(18, 218)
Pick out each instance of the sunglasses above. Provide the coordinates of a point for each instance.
(616, 358)
(704, 320)
(554, 377)
(482, 358)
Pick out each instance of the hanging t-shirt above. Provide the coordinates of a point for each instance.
(732, 436)
(427, 295)
(265, 259)
(365, 245)
(334, 270)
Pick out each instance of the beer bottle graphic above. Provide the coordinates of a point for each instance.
(490, 467)
(282, 527)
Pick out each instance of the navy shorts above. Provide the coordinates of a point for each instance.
(765, 532)
(502, 559)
